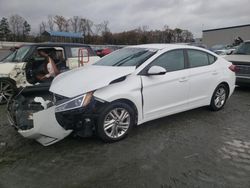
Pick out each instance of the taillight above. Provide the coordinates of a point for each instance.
(233, 68)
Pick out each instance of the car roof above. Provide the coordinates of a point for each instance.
(166, 46)
(53, 44)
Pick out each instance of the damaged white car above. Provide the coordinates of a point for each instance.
(126, 88)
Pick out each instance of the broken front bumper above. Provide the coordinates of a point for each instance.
(46, 129)
(34, 124)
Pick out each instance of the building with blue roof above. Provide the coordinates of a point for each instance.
(62, 36)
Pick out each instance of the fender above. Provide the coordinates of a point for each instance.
(15, 72)
(124, 90)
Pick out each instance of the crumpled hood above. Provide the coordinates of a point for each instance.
(6, 68)
(238, 58)
(88, 78)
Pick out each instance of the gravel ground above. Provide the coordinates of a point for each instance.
(198, 148)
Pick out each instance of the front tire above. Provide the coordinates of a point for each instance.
(7, 90)
(115, 122)
(219, 98)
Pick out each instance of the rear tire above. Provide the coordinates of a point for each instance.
(115, 122)
(7, 91)
(219, 98)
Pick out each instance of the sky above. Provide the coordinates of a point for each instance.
(124, 15)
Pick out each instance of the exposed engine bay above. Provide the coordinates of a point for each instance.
(34, 114)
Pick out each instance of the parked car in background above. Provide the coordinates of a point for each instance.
(20, 68)
(226, 51)
(218, 47)
(198, 45)
(106, 50)
(221, 52)
(103, 52)
(241, 59)
(129, 87)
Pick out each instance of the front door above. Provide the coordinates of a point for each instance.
(166, 94)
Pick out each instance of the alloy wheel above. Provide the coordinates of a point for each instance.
(116, 123)
(220, 97)
(6, 92)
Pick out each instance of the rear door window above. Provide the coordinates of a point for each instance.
(197, 58)
(211, 59)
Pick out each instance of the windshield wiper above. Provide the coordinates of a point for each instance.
(121, 62)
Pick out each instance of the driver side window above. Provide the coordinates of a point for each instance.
(171, 61)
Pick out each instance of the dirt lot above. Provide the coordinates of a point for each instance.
(197, 148)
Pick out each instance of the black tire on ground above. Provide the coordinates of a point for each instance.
(219, 97)
(7, 90)
(115, 121)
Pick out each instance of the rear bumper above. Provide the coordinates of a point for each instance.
(243, 80)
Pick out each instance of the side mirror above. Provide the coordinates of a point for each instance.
(156, 70)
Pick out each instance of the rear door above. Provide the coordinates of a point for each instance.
(203, 77)
(166, 94)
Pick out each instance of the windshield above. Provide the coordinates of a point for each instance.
(244, 49)
(18, 55)
(127, 57)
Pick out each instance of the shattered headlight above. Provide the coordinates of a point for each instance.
(77, 102)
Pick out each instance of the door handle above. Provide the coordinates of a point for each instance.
(183, 79)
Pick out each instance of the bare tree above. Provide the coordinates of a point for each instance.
(16, 24)
(67, 25)
(75, 23)
(168, 34)
(105, 26)
(106, 34)
(60, 21)
(187, 36)
(83, 26)
(42, 27)
(145, 28)
(51, 23)
(98, 29)
(26, 29)
(101, 28)
(178, 36)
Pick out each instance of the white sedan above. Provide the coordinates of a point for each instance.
(128, 87)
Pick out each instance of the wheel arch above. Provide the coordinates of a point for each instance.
(131, 104)
(8, 79)
(227, 86)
